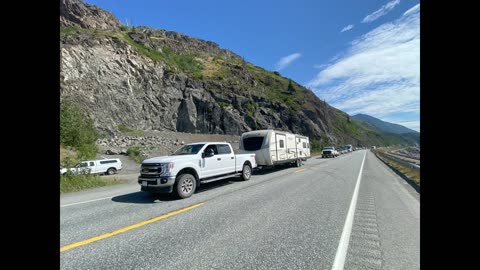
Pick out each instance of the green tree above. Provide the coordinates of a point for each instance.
(77, 131)
(290, 87)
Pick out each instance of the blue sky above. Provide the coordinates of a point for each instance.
(360, 56)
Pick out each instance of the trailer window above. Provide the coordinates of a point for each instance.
(281, 144)
(253, 143)
(304, 145)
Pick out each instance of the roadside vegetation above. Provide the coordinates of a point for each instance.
(71, 183)
(316, 146)
(130, 131)
(408, 172)
(77, 143)
(133, 152)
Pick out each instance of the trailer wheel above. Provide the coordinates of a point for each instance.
(246, 172)
(185, 185)
(298, 163)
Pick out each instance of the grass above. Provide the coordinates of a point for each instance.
(223, 104)
(152, 54)
(387, 149)
(133, 153)
(71, 183)
(408, 172)
(70, 30)
(130, 131)
(186, 62)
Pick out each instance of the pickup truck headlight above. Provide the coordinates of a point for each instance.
(167, 167)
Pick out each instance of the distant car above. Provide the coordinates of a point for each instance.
(329, 152)
(349, 147)
(101, 166)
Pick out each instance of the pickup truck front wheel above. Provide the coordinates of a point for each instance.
(246, 172)
(185, 185)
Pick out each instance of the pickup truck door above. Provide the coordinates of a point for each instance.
(226, 158)
(83, 168)
(92, 167)
(211, 166)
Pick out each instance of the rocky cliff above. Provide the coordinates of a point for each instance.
(151, 79)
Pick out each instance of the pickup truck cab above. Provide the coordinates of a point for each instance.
(101, 166)
(193, 164)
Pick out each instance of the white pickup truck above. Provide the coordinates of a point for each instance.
(101, 166)
(192, 165)
(329, 152)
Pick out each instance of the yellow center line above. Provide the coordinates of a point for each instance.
(300, 170)
(103, 236)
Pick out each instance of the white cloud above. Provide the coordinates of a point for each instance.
(287, 60)
(379, 74)
(415, 8)
(381, 12)
(346, 28)
(320, 66)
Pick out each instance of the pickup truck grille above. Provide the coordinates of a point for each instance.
(150, 170)
(153, 176)
(327, 152)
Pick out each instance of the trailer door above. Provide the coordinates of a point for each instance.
(281, 147)
(304, 150)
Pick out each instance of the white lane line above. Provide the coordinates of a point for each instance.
(347, 228)
(65, 205)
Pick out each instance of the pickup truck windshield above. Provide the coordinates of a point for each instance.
(191, 149)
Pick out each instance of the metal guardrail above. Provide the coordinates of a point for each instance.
(399, 160)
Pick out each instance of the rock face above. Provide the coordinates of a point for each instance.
(150, 79)
(78, 13)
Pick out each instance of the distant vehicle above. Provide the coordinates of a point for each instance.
(193, 164)
(329, 152)
(101, 166)
(273, 147)
(373, 147)
(349, 147)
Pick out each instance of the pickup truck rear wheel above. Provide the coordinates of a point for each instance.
(111, 171)
(185, 185)
(246, 172)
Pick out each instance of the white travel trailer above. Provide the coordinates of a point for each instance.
(273, 147)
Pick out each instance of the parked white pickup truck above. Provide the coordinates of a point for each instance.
(192, 165)
(101, 166)
(329, 152)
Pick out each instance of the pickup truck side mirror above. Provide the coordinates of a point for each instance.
(208, 153)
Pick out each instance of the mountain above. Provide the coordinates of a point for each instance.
(408, 134)
(382, 125)
(153, 79)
